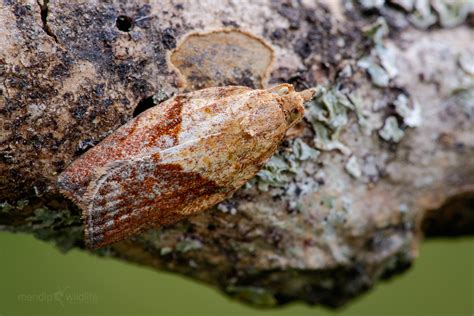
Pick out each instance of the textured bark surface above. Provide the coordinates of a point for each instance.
(384, 153)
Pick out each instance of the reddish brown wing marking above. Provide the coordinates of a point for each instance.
(126, 143)
(138, 194)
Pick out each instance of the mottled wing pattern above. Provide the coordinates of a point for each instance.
(137, 194)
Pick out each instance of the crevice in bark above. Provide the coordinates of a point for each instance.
(44, 9)
(144, 105)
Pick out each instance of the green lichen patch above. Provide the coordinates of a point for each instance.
(327, 113)
(367, 119)
(282, 168)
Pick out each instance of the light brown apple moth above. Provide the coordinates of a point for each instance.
(178, 158)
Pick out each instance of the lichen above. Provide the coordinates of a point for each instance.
(188, 245)
(391, 131)
(227, 207)
(423, 14)
(371, 4)
(466, 62)
(61, 226)
(352, 167)
(464, 100)
(165, 250)
(160, 96)
(5, 207)
(411, 113)
(452, 13)
(377, 73)
(327, 114)
(380, 63)
(275, 173)
(367, 119)
(284, 166)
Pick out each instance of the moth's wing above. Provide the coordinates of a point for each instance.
(216, 93)
(131, 196)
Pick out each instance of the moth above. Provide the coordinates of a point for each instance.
(178, 158)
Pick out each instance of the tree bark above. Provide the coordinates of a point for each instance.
(384, 153)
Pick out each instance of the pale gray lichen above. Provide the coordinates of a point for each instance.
(380, 63)
(165, 250)
(452, 13)
(327, 114)
(423, 16)
(377, 73)
(411, 113)
(352, 167)
(466, 62)
(370, 4)
(377, 31)
(275, 173)
(464, 99)
(367, 119)
(160, 96)
(303, 151)
(407, 5)
(391, 131)
(387, 60)
(425, 13)
(335, 222)
(282, 167)
(227, 207)
(188, 245)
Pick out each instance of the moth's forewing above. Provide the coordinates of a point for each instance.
(176, 159)
(143, 193)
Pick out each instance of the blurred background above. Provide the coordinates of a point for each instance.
(37, 279)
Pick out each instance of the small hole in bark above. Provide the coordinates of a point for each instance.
(124, 23)
(143, 105)
(211, 227)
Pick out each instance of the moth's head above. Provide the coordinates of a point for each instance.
(291, 101)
